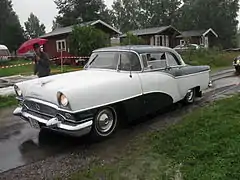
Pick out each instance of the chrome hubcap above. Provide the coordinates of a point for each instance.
(190, 95)
(105, 121)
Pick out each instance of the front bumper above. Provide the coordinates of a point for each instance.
(57, 125)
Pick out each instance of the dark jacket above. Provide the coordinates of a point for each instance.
(42, 67)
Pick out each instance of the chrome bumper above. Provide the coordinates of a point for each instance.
(56, 125)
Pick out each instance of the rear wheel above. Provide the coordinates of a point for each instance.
(105, 123)
(190, 96)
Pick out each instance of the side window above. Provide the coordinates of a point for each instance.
(129, 61)
(172, 60)
(157, 60)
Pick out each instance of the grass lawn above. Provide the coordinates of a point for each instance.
(205, 145)
(7, 101)
(28, 69)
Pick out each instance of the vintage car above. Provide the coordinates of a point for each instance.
(236, 64)
(125, 81)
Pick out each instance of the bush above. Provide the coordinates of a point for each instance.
(211, 57)
(131, 39)
(83, 40)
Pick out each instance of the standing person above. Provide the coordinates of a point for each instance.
(42, 62)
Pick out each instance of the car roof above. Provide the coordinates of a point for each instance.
(137, 48)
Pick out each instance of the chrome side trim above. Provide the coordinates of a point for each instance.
(192, 74)
(42, 102)
(159, 70)
(82, 110)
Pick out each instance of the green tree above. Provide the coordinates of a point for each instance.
(78, 11)
(135, 14)
(159, 12)
(217, 14)
(131, 39)
(83, 40)
(11, 32)
(33, 27)
(125, 15)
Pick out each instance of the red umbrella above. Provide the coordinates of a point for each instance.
(28, 45)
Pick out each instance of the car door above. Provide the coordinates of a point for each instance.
(182, 74)
(130, 66)
(159, 86)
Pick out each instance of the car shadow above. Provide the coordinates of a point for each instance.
(50, 143)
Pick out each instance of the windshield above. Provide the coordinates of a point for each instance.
(103, 60)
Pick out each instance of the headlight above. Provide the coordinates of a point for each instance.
(18, 90)
(62, 99)
(238, 61)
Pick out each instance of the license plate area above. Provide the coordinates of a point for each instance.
(34, 123)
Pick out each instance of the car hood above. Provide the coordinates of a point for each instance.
(46, 88)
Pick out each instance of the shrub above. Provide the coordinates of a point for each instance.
(83, 40)
(131, 39)
(211, 57)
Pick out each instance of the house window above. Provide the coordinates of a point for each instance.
(161, 40)
(158, 40)
(61, 45)
(167, 41)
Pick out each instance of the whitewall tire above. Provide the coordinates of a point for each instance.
(190, 96)
(105, 123)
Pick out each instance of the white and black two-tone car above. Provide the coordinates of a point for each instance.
(129, 80)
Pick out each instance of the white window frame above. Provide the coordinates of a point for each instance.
(161, 40)
(152, 40)
(61, 49)
(157, 40)
(206, 41)
(167, 41)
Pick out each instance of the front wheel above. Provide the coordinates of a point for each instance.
(190, 97)
(105, 123)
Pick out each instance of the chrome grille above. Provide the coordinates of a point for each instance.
(41, 108)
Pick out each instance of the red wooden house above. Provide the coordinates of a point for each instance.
(58, 39)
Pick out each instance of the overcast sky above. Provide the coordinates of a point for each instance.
(45, 10)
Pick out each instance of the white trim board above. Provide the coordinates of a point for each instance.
(210, 29)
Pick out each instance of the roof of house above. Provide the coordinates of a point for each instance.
(196, 33)
(68, 29)
(154, 30)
